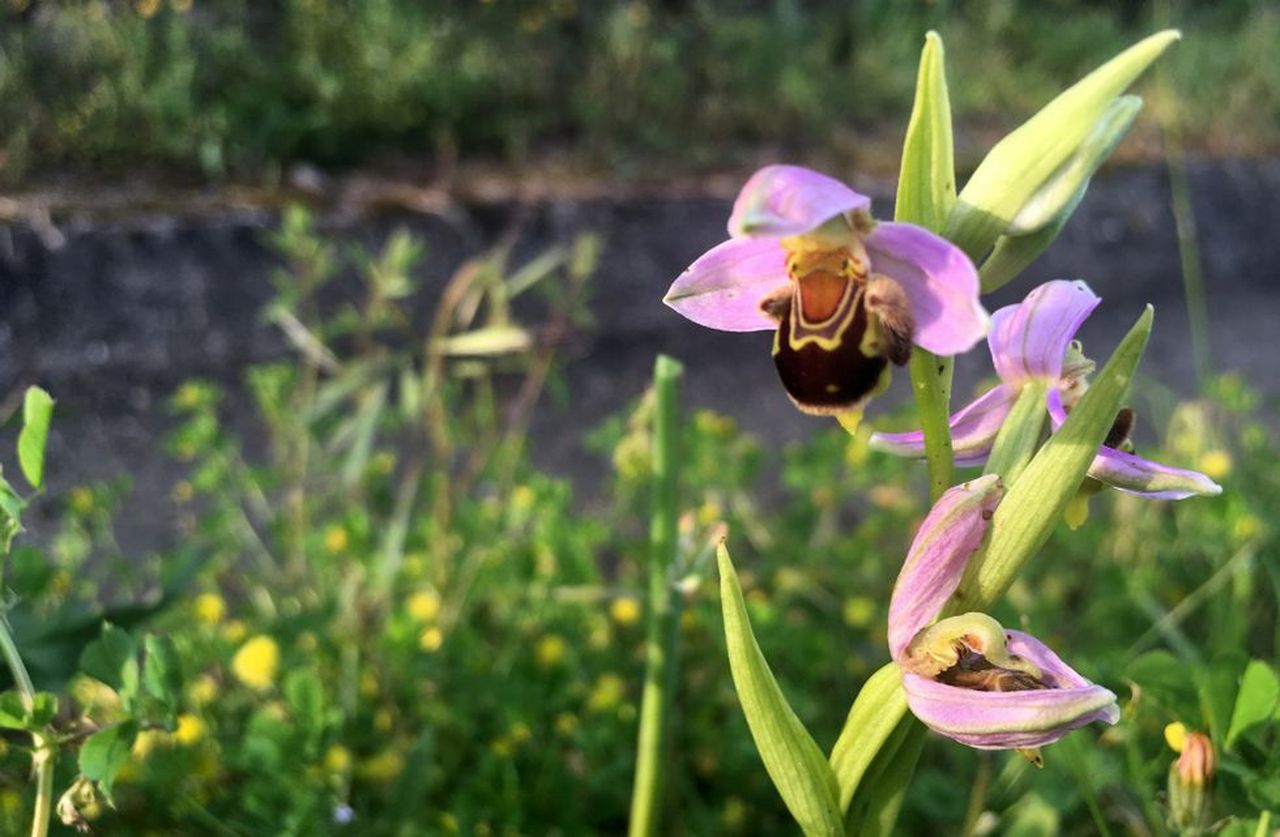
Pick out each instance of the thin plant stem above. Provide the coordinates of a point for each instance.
(978, 794)
(43, 753)
(931, 384)
(660, 643)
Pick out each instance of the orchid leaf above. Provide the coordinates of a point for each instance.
(793, 760)
(927, 179)
(1021, 163)
(1042, 218)
(1256, 701)
(872, 720)
(1035, 503)
(37, 410)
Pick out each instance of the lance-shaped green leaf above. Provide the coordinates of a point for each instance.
(37, 410)
(1019, 436)
(1034, 504)
(874, 810)
(793, 760)
(926, 196)
(1042, 218)
(1021, 163)
(871, 722)
(927, 179)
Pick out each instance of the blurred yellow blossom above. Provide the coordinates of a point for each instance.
(203, 690)
(709, 513)
(337, 759)
(501, 747)
(626, 610)
(424, 605)
(858, 611)
(566, 724)
(1216, 464)
(147, 8)
(1246, 527)
(522, 498)
(735, 813)
(520, 732)
(181, 6)
(210, 608)
(1175, 735)
(431, 640)
(382, 768)
(182, 492)
(81, 500)
(550, 651)
(11, 803)
(368, 683)
(257, 662)
(234, 631)
(336, 539)
(191, 729)
(384, 719)
(790, 581)
(147, 741)
(607, 692)
(307, 642)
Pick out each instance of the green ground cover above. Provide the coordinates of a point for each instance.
(233, 88)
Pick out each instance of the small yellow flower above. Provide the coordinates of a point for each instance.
(550, 651)
(147, 741)
(1215, 464)
(234, 631)
(735, 814)
(191, 729)
(11, 803)
(382, 768)
(709, 513)
(501, 747)
(566, 724)
(1175, 735)
(203, 691)
(625, 611)
(147, 8)
(790, 581)
(336, 539)
(383, 463)
(424, 606)
(337, 759)
(520, 733)
(431, 640)
(522, 498)
(383, 720)
(210, 608)
(368, 683)
(81, 500)
(257, 662)
(183, 491)
(858, 611)
(607, 692)
(1246, 527)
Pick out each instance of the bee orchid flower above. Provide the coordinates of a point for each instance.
(844, 294)
(1035, 341)
(965, 676)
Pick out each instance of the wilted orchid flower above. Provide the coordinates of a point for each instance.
(1034, 341)
(965, 676)
(844, 293)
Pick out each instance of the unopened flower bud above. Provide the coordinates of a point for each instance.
(1191, 784)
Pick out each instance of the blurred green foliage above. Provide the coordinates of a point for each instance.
(231, 87)
(399, 626)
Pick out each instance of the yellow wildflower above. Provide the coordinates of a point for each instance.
(81, 500)
(550, 651)
(625, 611)
(257, 662)
(1215, 464)
(383, 720)
(191, 729)
(182, 492)
(337, 759)
(234, 631)
(210, 608)
(566, 724)
(424, 606)
(147, 741)
(520, 732)
(336, 539)
(203, 691)
(382, 768)
(858, 611)
(1175, 735)
(431, 640)
(607, 692)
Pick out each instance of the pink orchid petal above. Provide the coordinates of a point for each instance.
(973, 429)
(779, 201)
(1006, 720)
(940, 281)
(723, 289)
(1134, 474)
(1030, 339)
(950, 534)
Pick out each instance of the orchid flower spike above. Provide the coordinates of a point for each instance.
(1035, 341)
(845, 295)
(965, 676)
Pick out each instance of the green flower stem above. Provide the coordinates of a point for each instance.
(664, 609)
(43, 753)
(931, 383)
(1019, 436)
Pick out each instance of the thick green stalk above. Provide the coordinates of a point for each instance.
(664, 615)
(42, 753)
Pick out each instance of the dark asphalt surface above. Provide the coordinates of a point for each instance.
(113, 319)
